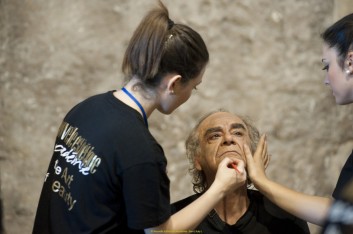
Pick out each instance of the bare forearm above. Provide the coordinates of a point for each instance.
(192, 215)
(313, 209)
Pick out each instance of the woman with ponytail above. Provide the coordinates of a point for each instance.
(108, 173)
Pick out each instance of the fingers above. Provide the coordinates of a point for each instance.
(248, 155)
(225, 162)
(264, 154)
(267, 160)
(238, 163)
(260, 156)
(261, 149)
(227, 178)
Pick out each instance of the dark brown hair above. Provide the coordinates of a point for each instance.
(340, 36)
(158, 47)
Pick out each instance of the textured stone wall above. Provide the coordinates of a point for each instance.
(265, 63)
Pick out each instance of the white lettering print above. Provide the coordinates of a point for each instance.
(57, 187)
(71, 157)
(342, 212)
(46, 176)
(340, 217)
(57, 169)
(76, 150)
(61, 189)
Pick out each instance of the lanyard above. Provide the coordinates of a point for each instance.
(137, 103)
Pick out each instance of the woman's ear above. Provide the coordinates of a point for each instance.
(348, 63)
(173, 83)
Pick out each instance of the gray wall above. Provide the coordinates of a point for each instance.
(265, 63)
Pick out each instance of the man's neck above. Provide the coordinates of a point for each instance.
(233, 206)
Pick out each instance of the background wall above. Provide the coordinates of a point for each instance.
(265, 63)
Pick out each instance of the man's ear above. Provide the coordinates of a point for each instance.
(348, 63)
(173, 83)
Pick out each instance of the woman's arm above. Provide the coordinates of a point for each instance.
(189, 217)
(313, 209)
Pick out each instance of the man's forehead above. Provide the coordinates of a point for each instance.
(220, 119)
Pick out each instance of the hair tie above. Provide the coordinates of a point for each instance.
(170, 24)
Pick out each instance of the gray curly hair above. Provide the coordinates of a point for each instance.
(192, 145)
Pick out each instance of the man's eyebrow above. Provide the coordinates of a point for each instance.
(238, 125)
(219, 129)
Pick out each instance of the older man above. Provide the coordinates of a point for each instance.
(222, 134)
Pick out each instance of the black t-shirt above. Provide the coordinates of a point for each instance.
(107, 173)
(262, 217)
(345, 177)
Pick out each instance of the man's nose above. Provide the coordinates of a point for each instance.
(229, 139)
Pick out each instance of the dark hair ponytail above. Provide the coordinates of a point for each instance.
(158, 46)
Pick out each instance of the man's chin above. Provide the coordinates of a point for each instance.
(232, 156)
